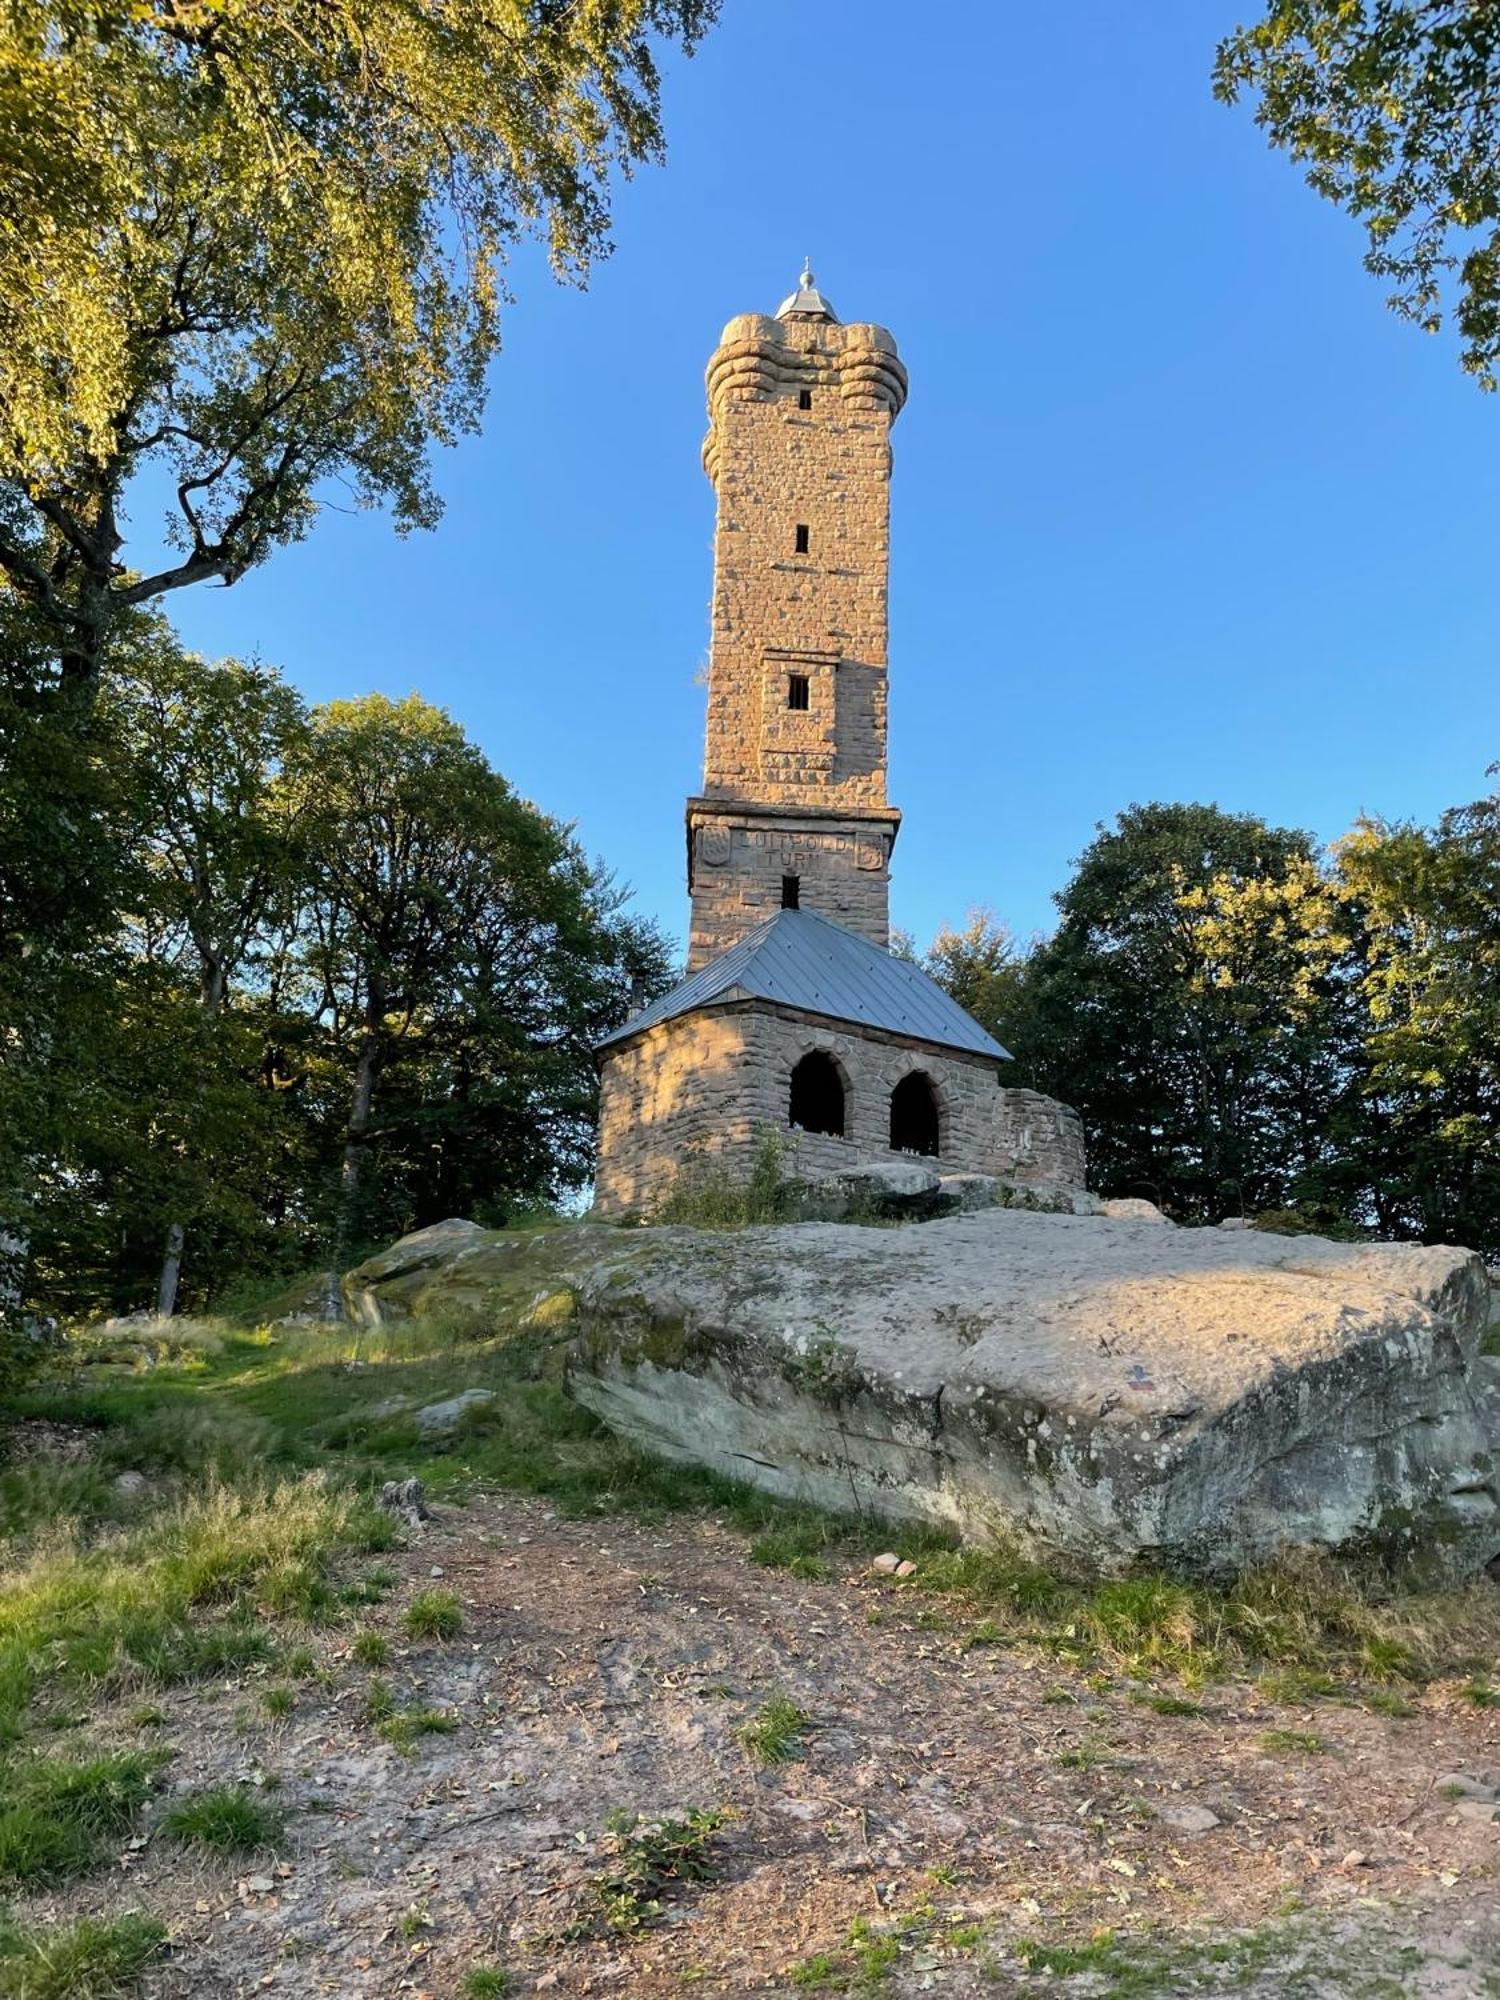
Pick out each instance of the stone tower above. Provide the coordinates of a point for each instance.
(793, 812)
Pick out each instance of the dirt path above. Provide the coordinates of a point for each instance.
(603, 1665)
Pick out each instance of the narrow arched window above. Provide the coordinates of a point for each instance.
(914, 1115)
(817, 1095)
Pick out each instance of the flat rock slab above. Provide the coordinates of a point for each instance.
(439, 1419)
(1111, 1388)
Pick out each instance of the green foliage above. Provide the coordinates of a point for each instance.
(1426, 906)
(402, 1729)
(227, 1819)
(1178, 1007)
(986, 973)
(245, 260)
(433, 1614)
(773, 1735)
(346, 983)
(173, 1597)
(370, 1649)
(1393, 109)
(1293, 1743)
(60, 1814)
(1252, 1030)
(709, 1197)
(91, 1959)
(486, 1982)
(785, 1549)
(648, 1858)
(464, 957)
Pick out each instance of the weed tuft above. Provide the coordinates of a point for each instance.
(648, 1858)
(92, 1959)
(59, 1813)
(433, 1614)
(227, 1819)
(773, 1735)
(1293, 1743)
(486, 1982)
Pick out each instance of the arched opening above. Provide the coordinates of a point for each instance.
(817, 1098)
(914, 1115)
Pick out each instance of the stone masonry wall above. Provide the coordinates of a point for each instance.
(675, 1092)
(813, 620)
(698, 1090)
(739, 862)
(1038, 1139)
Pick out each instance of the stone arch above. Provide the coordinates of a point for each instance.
(916, 1115)
(818, 1099)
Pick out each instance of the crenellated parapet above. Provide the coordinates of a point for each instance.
(760, 359)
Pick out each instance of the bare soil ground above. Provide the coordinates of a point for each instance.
(973, 1805)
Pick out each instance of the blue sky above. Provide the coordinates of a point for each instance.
(1180, 510)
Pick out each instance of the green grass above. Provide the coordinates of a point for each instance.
(486, 1982)
(403, 1728)
(773, 1735)
(370, 1649)
(60, 1815)
(183, 1594)
(380, 1701)
(278, 1702)
(795, 1547)
(1166, 1704)
(1293, 1743)
(227, 1819)
(264, 1443)
(93, 1959)
(433, 1614)
(821, 1970)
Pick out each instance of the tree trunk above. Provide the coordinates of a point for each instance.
(213, 988)
(171, 1267)
(351, 1176)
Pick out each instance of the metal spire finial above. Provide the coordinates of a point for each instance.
(807, 301)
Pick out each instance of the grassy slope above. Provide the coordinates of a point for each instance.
(263, 1448)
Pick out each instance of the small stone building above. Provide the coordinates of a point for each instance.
(794, 1016)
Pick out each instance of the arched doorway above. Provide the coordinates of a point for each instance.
(817, 1095)
(914, 1115)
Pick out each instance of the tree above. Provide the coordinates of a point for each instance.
(1393, 107)
(461, 956)
(215, 848)
(251, 247)
(985, 973)
(1183, 1007)
(1428, 910)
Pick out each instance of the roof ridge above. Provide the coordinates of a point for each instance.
(850, 979)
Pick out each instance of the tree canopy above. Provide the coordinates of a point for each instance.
(255, 245)
(346, 982)
(1252, 1028)
(1393, 108)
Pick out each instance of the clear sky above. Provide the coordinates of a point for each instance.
(1180, 510)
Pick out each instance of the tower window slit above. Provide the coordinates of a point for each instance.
(797, 691)
(802, 538)
(791, 892)
(804, 399)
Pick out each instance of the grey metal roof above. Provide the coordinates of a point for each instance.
(799, 959)
(807, 299)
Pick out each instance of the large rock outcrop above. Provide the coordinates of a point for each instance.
(1113, 1389)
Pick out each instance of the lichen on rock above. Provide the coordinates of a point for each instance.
(1106, 1388)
